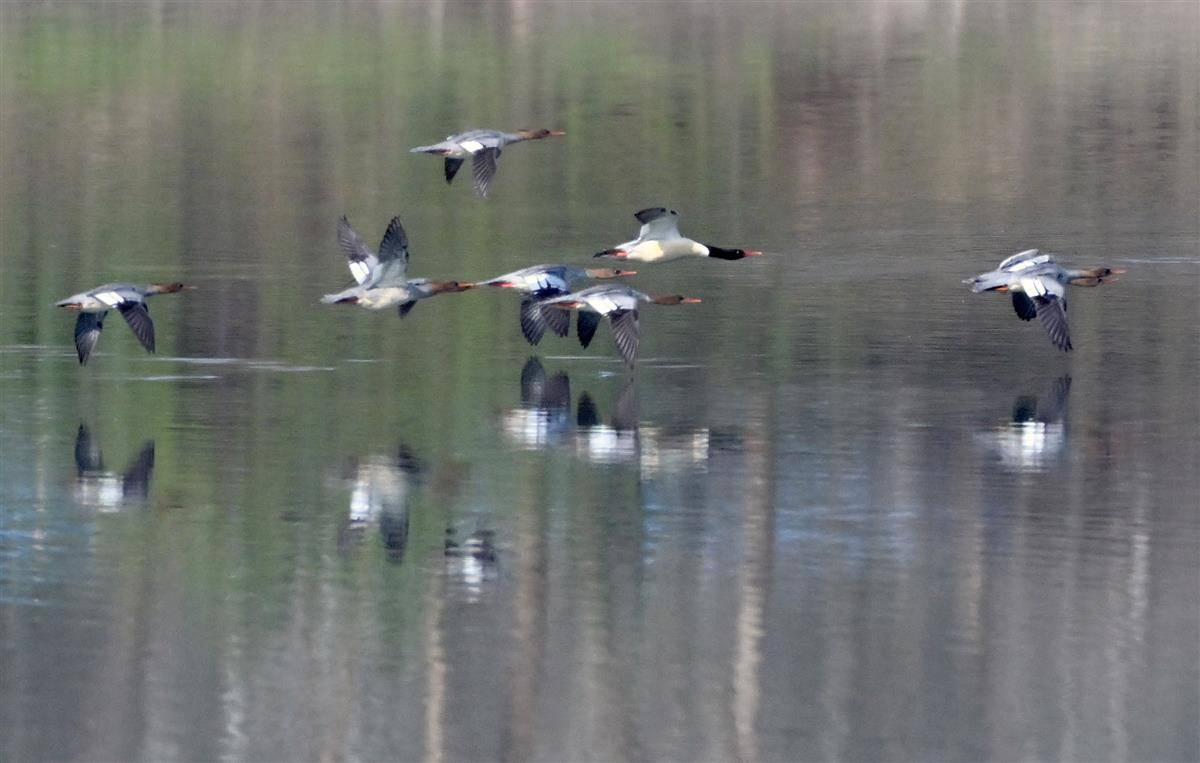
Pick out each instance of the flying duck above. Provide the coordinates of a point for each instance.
(620, 304)
(539, 283)
(483, 146)
(1038, 287)
(659, 240)
(129, 299)
(382, 278)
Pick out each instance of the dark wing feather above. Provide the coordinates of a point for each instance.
(651, 213)
(559, 321)
(136, 479)
(395, 242)
(625, 413)
(585, 326)
(452, 166)
(87, 453)
(138, 318)
(352, 246)
(557, 394)
(406, 307)
(625, 331)
(1056, 407)
(533, 381)
(87, 333)
(533, 322)
(587, 415)
(1024, 306)
(483, 167)
(1052, 311)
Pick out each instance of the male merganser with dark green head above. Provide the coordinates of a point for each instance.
(620, 304)
(129, 299)
(659, 240)
(382, 278)
(1038, 287)
(539, 283)
(483, 146)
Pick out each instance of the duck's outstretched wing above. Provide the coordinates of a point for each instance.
(1024, 306)
(138, 318)
(1024, 260)
(625, 333)
(362, 262)
(394, 245)
(585, 326)
(1048, 297)
(658, 224)
(558, 321)
(452, 166)
(483, 168)
(534, 321)
(1052, 311)
(87, 333)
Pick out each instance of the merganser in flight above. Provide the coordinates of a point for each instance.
(1038, 285)
(659, 240)
(129, 299)
(382, 278)
(483, 146)
(539, 283)
(620, 304)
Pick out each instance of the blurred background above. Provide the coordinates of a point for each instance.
(843, 508)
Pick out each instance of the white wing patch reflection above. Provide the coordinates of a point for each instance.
(1036, 434)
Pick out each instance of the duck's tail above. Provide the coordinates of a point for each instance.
(988, 281)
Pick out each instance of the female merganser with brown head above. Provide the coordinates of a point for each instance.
(128, 298)
(539, 283)
(381, 277)
(659, 240)
(1038, 286)
(483, 146)
(620, 304)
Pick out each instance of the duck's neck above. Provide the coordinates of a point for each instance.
(1087, 276)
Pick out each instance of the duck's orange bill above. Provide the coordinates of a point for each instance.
(691, 300)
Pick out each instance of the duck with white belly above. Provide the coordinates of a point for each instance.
(659, 240)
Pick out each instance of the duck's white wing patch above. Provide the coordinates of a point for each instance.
(546, 283)
(110, 298)
(603, 305)
(660, 229)
(471, 145)
(360, 270)
(1034, 287)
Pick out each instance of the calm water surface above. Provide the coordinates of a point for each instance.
(843, 509)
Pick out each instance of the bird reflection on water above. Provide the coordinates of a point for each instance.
(105, 490)
(1036, 434)
(381, 487)
(543, 422)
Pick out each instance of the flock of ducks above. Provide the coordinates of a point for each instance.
(1036, 282)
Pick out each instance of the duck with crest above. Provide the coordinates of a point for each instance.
(1038, 287)
(383, 278)
(619, 304)
(129, 299)
(484, 147)
(541, 282)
